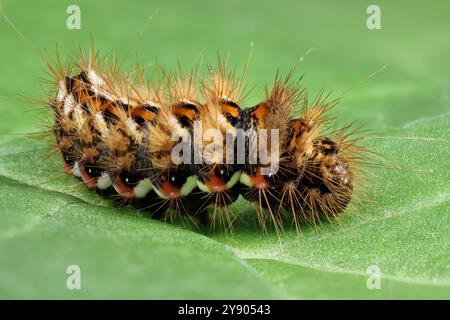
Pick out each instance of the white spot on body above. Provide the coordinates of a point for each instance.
(152, 103)
(79, 116)
(69, 104)
(133, 128)
(233, 180)
(142, 188)
(76, 170)
(340, 169)
(61, 91)
(189, 185)
(95, 79)
(104, 181)
(246, 180)
(101, 124)
(203, 187)
(124, 100)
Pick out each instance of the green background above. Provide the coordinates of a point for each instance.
(49, 221)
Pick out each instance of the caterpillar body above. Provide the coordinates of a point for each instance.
(118, 133)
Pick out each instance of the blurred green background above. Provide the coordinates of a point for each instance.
(46, 225)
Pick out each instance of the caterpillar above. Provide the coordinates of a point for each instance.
(181, 145)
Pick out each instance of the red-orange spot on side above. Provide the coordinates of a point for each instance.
(215, 183)
(124, 190)
(259, 181)
(170, 191)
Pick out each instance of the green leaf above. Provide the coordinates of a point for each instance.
(49, 221)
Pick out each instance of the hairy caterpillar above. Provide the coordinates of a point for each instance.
(118, 133)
